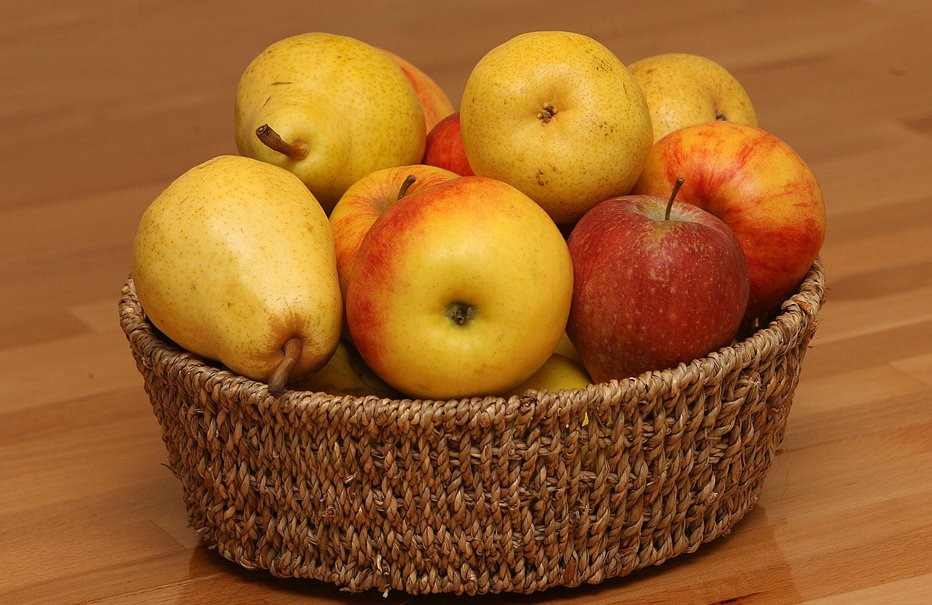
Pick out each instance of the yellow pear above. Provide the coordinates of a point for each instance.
(567, 349)
(234, 261)
(684, 89)
(558, 116)
(558, 372)
(329, 108)
(346, 374)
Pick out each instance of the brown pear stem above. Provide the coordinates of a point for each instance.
(279, 378)
(272, 140)
(676, 189)
(409, 180)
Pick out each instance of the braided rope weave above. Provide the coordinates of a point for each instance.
(479, 495)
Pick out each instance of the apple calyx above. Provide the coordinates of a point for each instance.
(546, 113)
(409, 180)
(292, 351)
(271, 139)
(460, 312)
(676, 189)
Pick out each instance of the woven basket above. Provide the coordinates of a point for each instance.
(480, 495)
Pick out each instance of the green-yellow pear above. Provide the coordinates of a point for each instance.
(329, 108)
(558, 116)
(234, 261)
(684, 89)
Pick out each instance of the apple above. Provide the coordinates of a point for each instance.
(434, 101)
(683, 89)
(760, 187)
(444, 147)
(366, 200)
(558, 373)
(461, 289)
(558, 116)
(657, 282)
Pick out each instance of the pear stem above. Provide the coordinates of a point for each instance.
(272, 140)
(409, 180)
(676, 189)
(279, 378)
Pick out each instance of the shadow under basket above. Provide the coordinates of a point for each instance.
(479, 495)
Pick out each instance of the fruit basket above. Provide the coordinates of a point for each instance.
(479, 495)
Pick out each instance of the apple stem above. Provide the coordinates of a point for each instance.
(272, 140)
(676, 189)
(292, 350)
(409, 180)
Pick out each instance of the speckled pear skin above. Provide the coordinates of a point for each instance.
(558, 116)
(684, 89)
(349, 102)
(233, 259)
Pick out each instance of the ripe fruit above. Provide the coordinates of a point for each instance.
(434, 101)
(367, 199)
(329, 108)
(460, 289)
(445, 147)
(683, 89)
(558, 116)
(656, 283)
(759, 186)
(234, 261)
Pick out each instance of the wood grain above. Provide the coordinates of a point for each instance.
(103, 103)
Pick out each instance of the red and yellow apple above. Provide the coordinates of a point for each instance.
(434, 101)
(461, 289)
(366, 200)
(654, 286)
(444, 147)
(758, 185)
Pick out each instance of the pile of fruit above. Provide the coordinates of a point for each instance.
(575, 221)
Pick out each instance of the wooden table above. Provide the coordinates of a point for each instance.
(103, 103)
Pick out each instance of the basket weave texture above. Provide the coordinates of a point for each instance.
(480, 495)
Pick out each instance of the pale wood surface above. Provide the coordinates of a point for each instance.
(103, 103)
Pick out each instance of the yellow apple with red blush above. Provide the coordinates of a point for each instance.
(462, 289)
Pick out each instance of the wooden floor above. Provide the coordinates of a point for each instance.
(103, 103)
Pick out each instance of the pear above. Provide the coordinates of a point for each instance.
(329, 108)
(558, 116)
(347, 374)
(234, 261)
(684, 89)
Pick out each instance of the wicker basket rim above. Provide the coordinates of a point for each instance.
(796, 320)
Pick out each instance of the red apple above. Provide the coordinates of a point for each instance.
(759, 186)
(653, 289)
(445, 146)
